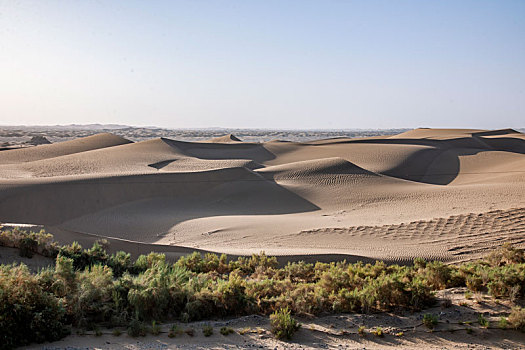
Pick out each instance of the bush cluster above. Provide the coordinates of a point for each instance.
(89, 288)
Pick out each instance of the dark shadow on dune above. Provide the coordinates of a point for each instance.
(239, 150)
(232, 191)
(422, 166)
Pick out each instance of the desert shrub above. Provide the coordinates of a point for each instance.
(207, 330)
(230, 296)
(28, 246)
(158, 292)
(94, 299)
(378, 332)
(503, 323)
(120, 262)
(516, 318)
(144, 262)
(506, 254)
(483, 322)
(420, 263)
(175, 331)
(192, 262)
(27, 312)
(248, 265)
(137, 328)
(226, 331)
(283, 324)
(430, 320)
(361, 331)
(155, 328)
(437, 274)
(299, 272)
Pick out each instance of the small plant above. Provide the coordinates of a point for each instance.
(517, 318)
(190, 332)
(483, 322)
(400, 334)
(361, 331)
(503, 323)
(116, 332)
(137, 328)
(378, 332)
(283, 324)
(155, 328)
(226, 331)
(469, 330)
(97, 332)
(468, 295)
(207, 330)
(174, 331)
(430, 320)
(478, 298)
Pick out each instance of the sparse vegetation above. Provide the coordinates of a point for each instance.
(503, 323)
(430, 320)
(207, 330)
(483, 322)
(283, 324)
(137, 328)
(90, 288)
(175, 331)
(155, 328)
(378, 332)
(361, 331)
(226, 331)
(516, 318)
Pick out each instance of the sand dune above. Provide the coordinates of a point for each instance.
(445, 194)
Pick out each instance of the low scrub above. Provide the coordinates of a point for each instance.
(283, 324)
(90, 288)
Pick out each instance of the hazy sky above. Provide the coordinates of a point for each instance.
(269, 64)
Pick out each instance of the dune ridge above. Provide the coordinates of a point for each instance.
(374, 198)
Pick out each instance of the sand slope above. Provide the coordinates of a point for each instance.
(445, 194)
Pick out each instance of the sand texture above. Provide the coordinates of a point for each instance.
(445, 194)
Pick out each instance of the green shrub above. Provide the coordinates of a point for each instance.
(137, 328)
(378, 332)
(483, 322)
(516, 318)
(283, 324)
(27, 312)
(226, 331)
(430, 320)
(361, 331)
(207, 330)
(503, 323)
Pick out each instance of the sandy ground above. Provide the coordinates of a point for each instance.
(444, 194)
(332, 332)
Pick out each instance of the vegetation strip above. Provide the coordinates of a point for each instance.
(89, 289)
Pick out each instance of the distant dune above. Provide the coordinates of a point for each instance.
(446, 194)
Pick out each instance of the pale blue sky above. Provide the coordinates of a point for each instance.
(264, 64)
